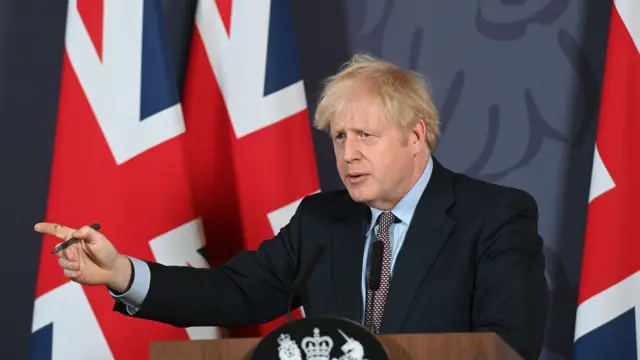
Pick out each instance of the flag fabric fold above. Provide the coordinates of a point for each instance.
(607, 318)
(118, 160)
(225, 166)
(248, 139)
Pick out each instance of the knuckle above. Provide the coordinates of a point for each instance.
(65, 264)
(70, 274)
(82, 232)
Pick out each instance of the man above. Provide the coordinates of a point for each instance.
(459, 254)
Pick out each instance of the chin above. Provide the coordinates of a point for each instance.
(359, 195)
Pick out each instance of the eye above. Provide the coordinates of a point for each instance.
(364, 134)
(339, 136)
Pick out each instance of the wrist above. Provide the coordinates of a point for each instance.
(121, 275)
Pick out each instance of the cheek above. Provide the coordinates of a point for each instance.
(391, 165)
(340, 164)
(388, 161)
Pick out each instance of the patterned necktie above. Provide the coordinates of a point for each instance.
(376, 299)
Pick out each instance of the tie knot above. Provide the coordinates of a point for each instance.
(385, 220)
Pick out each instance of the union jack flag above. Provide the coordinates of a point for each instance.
(229, 163)
(608, 320)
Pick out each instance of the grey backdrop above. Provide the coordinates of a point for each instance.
(517, 83)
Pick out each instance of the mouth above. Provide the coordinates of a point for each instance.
(356, 178)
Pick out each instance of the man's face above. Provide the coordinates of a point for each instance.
(374, 158)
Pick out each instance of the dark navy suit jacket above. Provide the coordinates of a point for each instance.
(472, 260)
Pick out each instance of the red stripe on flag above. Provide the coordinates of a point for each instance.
(225, 7)
(611, 245)
(276, 165)
(207, 144)
(91, 12)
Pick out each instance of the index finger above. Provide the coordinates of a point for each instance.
(57, 230)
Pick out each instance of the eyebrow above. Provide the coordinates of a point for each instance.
(343, 129)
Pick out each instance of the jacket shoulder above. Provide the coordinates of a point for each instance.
(492, 199)
(327, 203)
(473, 187)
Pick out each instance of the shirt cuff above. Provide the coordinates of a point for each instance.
(134, 297)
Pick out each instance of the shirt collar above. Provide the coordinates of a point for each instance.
(405, 208)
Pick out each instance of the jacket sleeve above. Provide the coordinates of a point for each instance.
(252, 287)
(511, 296)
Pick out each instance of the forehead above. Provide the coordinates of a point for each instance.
(358, 110)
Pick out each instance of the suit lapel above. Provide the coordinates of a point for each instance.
(428, 231)
(347, 246)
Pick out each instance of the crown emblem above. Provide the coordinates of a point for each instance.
(317, 347)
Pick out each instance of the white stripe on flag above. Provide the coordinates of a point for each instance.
(607, 305)
(601, 180)
(629, 11)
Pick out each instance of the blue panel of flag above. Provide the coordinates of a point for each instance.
(158, 88)
(613, 340)
(41, 343)
(283, 68)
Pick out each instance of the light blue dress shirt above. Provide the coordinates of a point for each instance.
(403, 211)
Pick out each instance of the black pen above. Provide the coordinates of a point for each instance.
(66, 244)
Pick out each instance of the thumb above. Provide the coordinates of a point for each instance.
(88, 233)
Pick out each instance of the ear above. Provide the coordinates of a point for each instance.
(418, 136)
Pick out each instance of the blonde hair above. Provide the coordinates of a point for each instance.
(403, 94)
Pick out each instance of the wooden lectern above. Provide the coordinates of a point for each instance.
(399, 347)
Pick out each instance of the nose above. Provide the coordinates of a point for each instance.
(351, 150)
